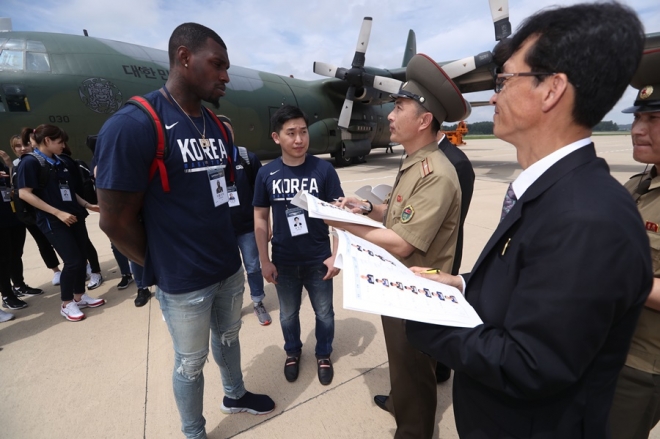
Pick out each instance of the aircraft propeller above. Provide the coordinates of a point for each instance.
(499, 9)
(357, 76)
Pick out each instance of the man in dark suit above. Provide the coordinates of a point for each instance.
(561, 283)
(465, 174)
(466, 179)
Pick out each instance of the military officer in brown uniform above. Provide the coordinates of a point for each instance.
(422, 215)
(636, 407)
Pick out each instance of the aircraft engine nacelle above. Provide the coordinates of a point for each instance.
(371, 96)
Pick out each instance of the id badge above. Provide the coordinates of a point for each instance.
(296, 219)
(6, 194)
(232, 193)
(66, 192)
(218, 185)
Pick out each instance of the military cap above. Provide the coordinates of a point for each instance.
(429, 85)
(647, 81)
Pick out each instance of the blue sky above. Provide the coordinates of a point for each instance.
(287, 36)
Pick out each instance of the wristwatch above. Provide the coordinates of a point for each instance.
(371, 207)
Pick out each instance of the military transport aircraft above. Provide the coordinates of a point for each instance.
(77, 82)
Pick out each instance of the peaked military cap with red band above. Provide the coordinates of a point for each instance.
(429, 85)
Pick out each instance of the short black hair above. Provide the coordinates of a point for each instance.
(193, 36)
(597, 45)
(284, 114)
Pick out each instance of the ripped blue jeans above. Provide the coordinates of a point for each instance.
(190, 317)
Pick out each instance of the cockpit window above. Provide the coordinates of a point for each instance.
(36, 46)
(15, 44)
(18, 54)
(38, 62)
(11, 60)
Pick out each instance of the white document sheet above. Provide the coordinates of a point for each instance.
(376, 282)
(320, 209)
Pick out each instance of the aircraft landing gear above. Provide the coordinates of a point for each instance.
(340, 160)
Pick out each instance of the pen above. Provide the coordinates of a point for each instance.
(431, 271)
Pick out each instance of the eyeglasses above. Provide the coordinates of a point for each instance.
(502, 77)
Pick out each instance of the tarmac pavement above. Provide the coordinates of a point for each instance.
(110, 376)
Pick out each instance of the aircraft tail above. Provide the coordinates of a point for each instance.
(411, 48)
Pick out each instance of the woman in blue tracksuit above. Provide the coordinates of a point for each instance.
(48, 182)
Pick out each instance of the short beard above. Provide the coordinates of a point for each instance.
(215, 102)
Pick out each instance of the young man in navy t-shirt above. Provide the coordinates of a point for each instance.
(301, 246)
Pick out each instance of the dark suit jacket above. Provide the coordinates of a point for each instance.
(559, 286)
(466, 179)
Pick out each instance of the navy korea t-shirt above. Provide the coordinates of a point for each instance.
(276, 186)
(242, 216)
(61, 175)
(190, 242)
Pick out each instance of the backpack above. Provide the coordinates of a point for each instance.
(244, 159)
(25, 212)
(88, 187)
(158, 163)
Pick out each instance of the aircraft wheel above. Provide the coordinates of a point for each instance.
(341, 161)
(359, 159)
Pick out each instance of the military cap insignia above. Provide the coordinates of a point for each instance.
(407, 213)
(646, 92)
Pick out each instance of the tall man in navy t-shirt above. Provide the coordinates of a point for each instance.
(183, 238)
(301, 245)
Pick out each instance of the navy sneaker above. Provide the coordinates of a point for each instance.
(126, 280)
(26, 290)
(250, 402)
(13, 302)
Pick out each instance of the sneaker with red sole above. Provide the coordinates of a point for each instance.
(71, 312)
(89, 302)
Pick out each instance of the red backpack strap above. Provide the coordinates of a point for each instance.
(228, 141)
(158, 163)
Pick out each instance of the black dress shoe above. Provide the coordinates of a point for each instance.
(291, 368)
(381, 401)
(326, 372)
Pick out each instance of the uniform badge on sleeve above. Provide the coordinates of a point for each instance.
(407, 213)
(652, 227)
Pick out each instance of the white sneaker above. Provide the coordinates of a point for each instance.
(95, 281)
(89, 271)
(89, 302)
(71, 312)
(5, 316)
(56, 277)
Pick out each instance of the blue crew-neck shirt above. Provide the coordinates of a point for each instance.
(276, 186)
(190, 242)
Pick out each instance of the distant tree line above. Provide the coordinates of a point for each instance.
(487, 127)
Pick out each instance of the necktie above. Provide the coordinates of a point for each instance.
(509, 200)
